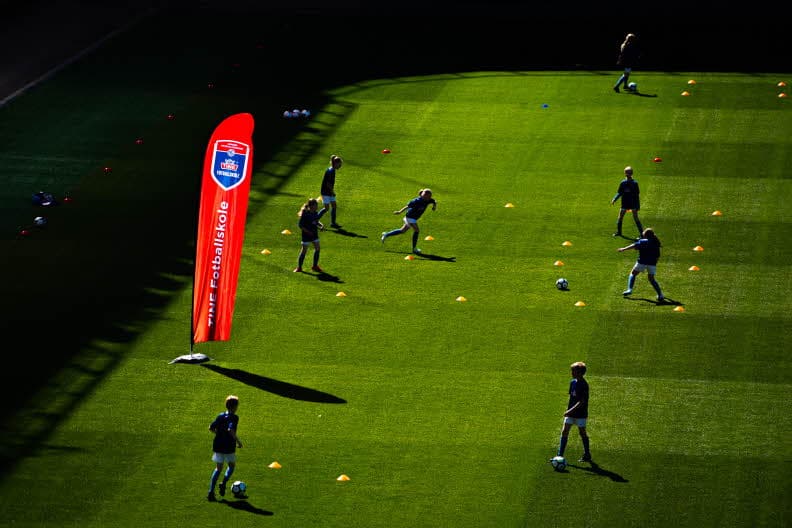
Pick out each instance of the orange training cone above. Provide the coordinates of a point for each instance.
(679, 309)
(429, 237)
(509, 205)
(698, 248)
(566, 243)
(409, 257)
(580, 303)
(286, 232)
(717, 213)
(781, 84)
(782, 95)
(685, 93)
(266, 252)
(342, 478)
(692, 82)
(694, 268)
(275, 465)
(558, 263)
(461, 299)
(341, 294)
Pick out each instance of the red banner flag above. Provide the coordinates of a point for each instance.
(225, 186)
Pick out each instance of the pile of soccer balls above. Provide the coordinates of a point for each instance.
(238, 488)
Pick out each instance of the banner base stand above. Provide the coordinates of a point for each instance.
(191, 358)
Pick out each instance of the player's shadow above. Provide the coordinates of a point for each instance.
(625, 237)
(244, 505)
(639, 94)
(665, 302)
(344, 232)
(326, 277)
(601, 471)
(281, 388)
(429, 256)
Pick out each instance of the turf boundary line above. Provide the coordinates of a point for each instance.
(46, 75)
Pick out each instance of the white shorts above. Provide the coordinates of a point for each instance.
(228, 458)
(410, 220)
(580, 422)
(328, 199)
(306, 244)
(638, 268)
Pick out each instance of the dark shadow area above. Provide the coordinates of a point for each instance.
(429, 256)
(596, 469)
(664, 302)
(344, 232)
(280, 388)
(326, 277)
(641, 94)
(244, 505)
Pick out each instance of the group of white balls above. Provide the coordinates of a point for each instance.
(296, 114)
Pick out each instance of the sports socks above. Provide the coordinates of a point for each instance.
(213, 481)
(585, 440)
(301, 259)
(415, 239)
(229, 471)
(333, 215)
(630, 281)
(316, 257)
(562, 445)
(656, 286)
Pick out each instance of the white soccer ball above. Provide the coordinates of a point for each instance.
(562, 284)
(633, 86)
(40, 221)
(238, 488)
(559, 463)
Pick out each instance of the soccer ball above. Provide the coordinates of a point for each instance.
(633, 86)
(40, 221)
(238, 488)
(562, 284)
(559, 463)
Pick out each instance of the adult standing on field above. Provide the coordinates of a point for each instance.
(328, 188)
(628, 57)
(577, 410)
(629, 193)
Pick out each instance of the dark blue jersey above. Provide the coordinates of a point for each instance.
(648, 251)
(578, 392)
(628, 55)
(328, 182)
(417, 206)
(223, 441)
(310, 220)
(629, 193)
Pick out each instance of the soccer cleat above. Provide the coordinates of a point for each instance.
(617, 234)
(585, 458)
(298, 269)
(383, 237)
(616, 89)
(627, 292)
(317, 269)
(417, 251)
(211, 497)
(222, 488)
(660, 298)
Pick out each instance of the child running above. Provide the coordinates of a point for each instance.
(415, 208)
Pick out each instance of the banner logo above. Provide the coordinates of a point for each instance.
(229, 161)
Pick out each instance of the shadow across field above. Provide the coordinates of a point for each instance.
(243, 505)
(596, 469)
(280, 388)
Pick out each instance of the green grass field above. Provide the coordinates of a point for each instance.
(442, 413)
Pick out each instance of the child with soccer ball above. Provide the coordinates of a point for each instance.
(224, 445)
